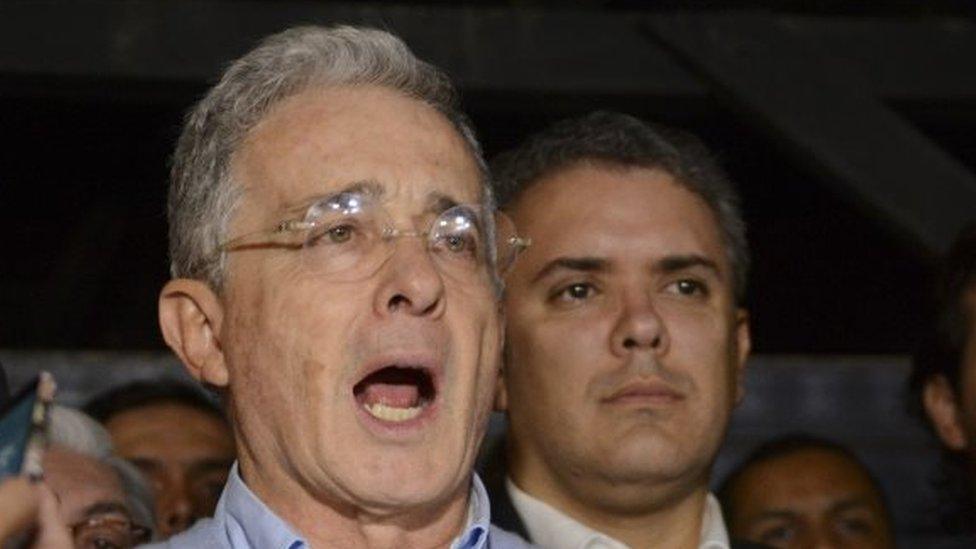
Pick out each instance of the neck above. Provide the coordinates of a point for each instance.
(653, 515)
(325, 522)
(675, 526)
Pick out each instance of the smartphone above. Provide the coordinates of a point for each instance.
(23, 425)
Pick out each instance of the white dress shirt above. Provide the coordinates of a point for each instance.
(552, 529)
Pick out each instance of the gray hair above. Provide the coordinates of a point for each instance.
(621, 140)
(73, 430)
(202, 196)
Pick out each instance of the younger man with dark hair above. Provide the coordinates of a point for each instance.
(626, 336)
(178, 437)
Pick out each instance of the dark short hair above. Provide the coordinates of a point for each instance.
(621, 140)
(783, 446)
(940, 354)
(137, 394)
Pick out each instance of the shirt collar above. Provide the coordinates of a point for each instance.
(713, 532)
(250, 521)
(475, 533)
(549, 527)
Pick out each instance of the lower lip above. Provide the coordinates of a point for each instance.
(398, 429)
(645, 400)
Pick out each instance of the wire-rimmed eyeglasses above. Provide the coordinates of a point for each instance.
(348, 236)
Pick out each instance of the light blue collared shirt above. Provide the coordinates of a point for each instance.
(242, 521)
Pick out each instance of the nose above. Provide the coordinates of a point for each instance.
(409, 281)
(175, 510)
(639, 327)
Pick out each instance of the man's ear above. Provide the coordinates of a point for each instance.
(501, 393)
(743, 340)
(190, 316)
(941, 406)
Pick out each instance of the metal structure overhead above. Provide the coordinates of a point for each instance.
(484, 48)
(808, 108)
(823, 111)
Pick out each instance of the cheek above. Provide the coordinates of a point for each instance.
(288, 339)
(552, 359)
(707, 346)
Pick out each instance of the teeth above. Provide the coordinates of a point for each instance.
(389, 413)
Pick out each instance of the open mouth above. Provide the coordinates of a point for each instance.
(396, 393)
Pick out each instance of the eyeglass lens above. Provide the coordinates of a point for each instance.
(351, 236)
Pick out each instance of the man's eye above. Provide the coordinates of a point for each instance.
(777, 535)
(339, 234)
(459, 243)
(857, 526)
(578, 291)
(688, 287)
(333, 234)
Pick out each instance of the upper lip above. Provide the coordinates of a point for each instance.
(427, 361)
(644, 388)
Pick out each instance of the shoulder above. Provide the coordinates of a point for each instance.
(503, 539)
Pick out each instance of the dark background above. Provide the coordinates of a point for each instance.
(850, 128)
(92, 95)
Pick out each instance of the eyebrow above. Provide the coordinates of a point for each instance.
(368, 187)
(582, 264)
(771, 514)
(676, 263)
(849, 503)
(436, 202)
(104, 508)
(667, 265)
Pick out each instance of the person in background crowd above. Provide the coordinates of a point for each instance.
(103, 500)
(800, 491)
(626, 336)
(336, 280)
(943, 381)
(178, 437)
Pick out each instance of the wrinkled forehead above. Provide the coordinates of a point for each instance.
(320, 142)
(429, 199)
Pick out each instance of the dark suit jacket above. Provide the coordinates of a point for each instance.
(503, 513)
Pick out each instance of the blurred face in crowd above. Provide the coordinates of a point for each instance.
(809, 498)
(625, 347)
(952, 410)
(371, 391)
(184, 451)
(91, 499)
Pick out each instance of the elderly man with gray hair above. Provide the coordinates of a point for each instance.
(336, 279)
(103, 500)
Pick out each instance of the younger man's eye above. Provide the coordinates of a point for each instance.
(688, 287)
(578, 291)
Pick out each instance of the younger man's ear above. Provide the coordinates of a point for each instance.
(942, 407)
(190, 316)
(743, 341)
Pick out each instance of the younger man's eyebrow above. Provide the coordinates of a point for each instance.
(583, 264)
(675, 263)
